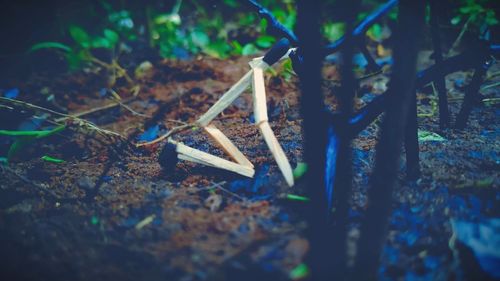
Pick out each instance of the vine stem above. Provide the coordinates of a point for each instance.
(458, 40)
(114, 65)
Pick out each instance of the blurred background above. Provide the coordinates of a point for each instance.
(136, 31)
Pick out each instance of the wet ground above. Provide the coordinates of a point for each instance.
(110, 212)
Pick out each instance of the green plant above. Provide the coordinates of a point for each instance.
(81, 54)
(333, 30)
(218, 32)
(475, 12)
(23, 138)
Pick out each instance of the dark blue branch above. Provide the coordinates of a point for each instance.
(274, 26)
(362, 27)
(466, 60)
(372, 18)
(495, 49)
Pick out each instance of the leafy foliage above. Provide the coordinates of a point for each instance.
(24, 138)
(425, 136)
(220, 29)
(475, 11)
(81, 53)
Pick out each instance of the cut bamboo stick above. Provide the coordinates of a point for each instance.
(259, 95)
(227, 145)
(277, 151)
(233, 93)
(226, 100)
(194, 155)
(258, 63)
(243, 166)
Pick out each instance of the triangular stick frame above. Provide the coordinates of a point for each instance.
(241, 165)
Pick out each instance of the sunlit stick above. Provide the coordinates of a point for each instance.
(227, 145)
(259, 95)
(194, 155)
(277, 151)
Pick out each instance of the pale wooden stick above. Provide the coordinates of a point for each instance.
(259, 95)
(227, 145)
(277, 151)
(194, 155)
(233, 93)
(226, 99)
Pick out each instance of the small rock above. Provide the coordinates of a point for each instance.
(85, 182)
(143, 70)
(213, 202)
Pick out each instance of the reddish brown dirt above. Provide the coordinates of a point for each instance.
(111, 212)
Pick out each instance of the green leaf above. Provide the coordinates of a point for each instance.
(362, 15)
(300, 170)
(393, 14)
(50, 45)
(334, 31)
(37, 134)
(94, 220)
(101, 42)
(456, 20)
(26, 137)
(218, 49)
(200, 38)
(49, 133)
(486, 182)
(77, 59)
(167, 18)
(112, 36)
(18, 145)
(249, 49)
(296, 197)
(237, 48)
(491, 18)
(52, 159)
(425, 136)
(21, 133)
(265, 41)
(263, 25)
(375, 32)
(231, 3)
(246, 20)
(299, 272)
(80, 36)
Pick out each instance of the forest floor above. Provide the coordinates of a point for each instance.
(109, 212)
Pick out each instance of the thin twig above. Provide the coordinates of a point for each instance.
(123, 72)
(168, 134)
(122, 103)
(81, 122)
(113, 66)
(177, 121)
(490, 86)
(133, 111)
(90, 111)
(218, 185)
(492, 75)
(460, 36)
(372, 74)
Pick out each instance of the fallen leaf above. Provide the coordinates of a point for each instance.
(425, 136)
